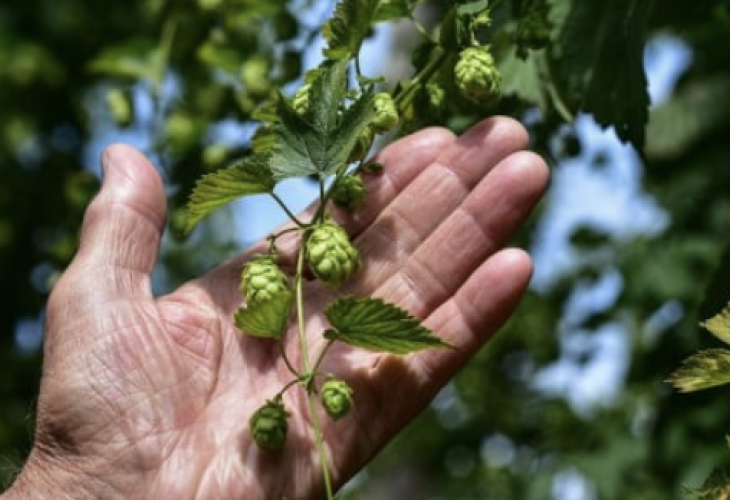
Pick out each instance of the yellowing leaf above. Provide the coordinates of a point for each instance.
(703, 370)
(719, 325)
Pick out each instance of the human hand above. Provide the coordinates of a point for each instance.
(145, 397)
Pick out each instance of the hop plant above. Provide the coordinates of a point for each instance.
(332, 257)
(349, 192)
(476, 74)
(386, 114)
(262, 279)
(269, 426)
(336, 398)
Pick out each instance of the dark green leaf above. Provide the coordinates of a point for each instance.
(600, 65)
(322, 146)
(348, 27)
(703, 370)
(378, 326)
(248, 177)
(266, 318)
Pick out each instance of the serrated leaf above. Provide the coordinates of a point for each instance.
(600, 66)
(321, 146)
(348, 27)
(719, 325)
(266, 318)
(703, 370)
(376, 325)
(248, 177)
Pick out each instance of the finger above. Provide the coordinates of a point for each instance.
(437, 195)
(120, 235)
(474, 313)
(393, 389)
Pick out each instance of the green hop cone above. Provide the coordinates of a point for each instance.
(349, 192)
(332, 257)
(386, 114)
(269, 426)
(262, 279)
(300, 102)
(476, 74)
(336, 398)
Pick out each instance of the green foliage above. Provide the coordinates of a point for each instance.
(246, 177)
(266, 319)
(376, 325)
(59, 59)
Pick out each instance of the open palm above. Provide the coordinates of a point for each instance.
(146, 397)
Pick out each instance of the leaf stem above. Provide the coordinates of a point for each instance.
(288, 212)
(320, 444)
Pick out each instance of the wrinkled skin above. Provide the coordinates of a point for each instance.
(145, 397)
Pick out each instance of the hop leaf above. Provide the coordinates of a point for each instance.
(262, 279)
(476, 74)
(378, 326)
(703, 370)
(336, 398)
(331, 256)
(269, 426)
(349, 192)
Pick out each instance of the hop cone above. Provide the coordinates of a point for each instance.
(332, 257)
(336, 398)
(476, 75)
(262, 279)
(349, 192)
(300, 102)
(386, 114)
(269, 426)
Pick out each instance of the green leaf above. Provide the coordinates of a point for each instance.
(266, 318)
(376, 325)
(522, 78)
(322, 146)
(719, 325)
(135, 58)
(600, 65)
(472, 7)
(695, 112)
(248, 177)
(389, 10)
(348, 27)
(703, 370)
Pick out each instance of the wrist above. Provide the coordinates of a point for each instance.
(47, 477)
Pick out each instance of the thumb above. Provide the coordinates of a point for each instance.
(120, 235)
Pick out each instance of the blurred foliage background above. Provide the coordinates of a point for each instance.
(532, 417)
